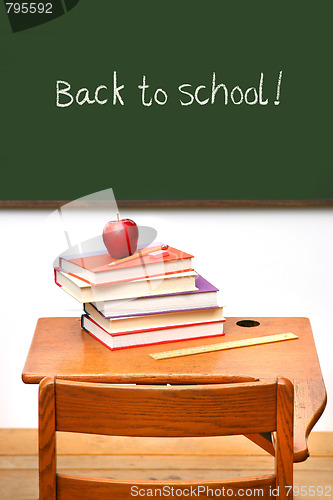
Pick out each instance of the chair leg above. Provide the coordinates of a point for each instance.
(47, 440)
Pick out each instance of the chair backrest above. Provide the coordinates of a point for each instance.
(164, 411)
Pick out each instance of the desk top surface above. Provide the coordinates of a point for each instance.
(61, 348)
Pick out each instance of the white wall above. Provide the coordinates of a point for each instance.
(266, 262)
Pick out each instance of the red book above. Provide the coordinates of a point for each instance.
(95, 269)
(157, 336)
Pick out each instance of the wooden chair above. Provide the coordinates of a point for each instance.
(165, 411)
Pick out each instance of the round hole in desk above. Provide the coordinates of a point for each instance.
(247, 323)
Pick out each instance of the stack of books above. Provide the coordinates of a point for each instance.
(149, 298)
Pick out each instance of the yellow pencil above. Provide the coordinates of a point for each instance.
(139, 254)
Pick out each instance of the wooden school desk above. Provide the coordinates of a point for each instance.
(61, 348)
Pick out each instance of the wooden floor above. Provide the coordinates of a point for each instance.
(141, 458)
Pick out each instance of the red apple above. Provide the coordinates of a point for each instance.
(120, 237)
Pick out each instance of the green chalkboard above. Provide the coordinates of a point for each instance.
(214, 100)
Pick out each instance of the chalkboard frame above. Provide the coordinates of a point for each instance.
(175, 204)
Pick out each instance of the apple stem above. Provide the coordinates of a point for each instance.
(117, 216)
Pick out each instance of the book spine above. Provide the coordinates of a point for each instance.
(55, 276)
(82, 318)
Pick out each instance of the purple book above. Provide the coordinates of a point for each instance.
(204, 297)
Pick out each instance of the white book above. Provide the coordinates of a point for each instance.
(84, 292)
(205, 295)
(153, 321)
